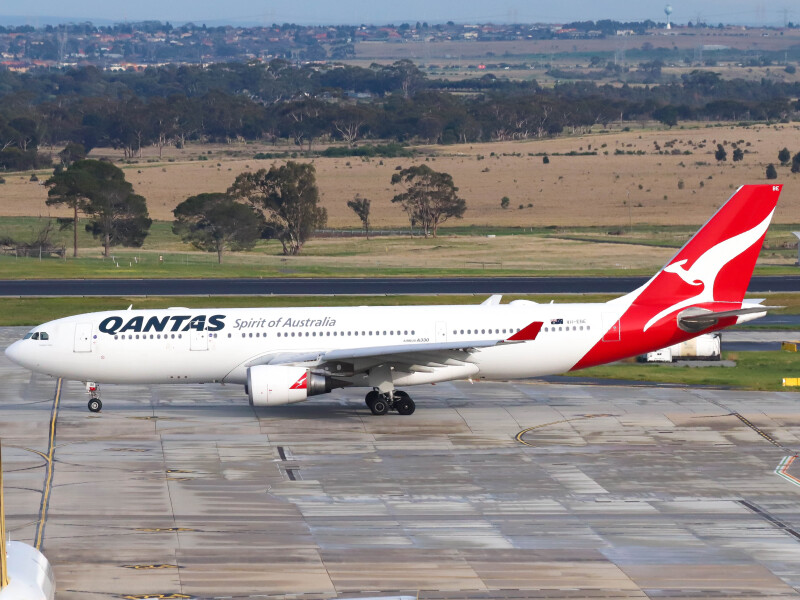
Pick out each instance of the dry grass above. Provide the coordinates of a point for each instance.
(453, 52)
(571, 190)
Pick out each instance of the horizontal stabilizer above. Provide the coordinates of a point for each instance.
(692, 320)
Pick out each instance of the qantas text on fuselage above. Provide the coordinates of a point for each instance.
(286, 355)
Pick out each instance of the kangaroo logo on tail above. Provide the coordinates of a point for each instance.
(705, 269)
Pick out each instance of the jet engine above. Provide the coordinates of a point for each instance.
(273, 385)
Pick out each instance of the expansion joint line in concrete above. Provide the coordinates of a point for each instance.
(783, 467)
(48, 478)
(763, 434)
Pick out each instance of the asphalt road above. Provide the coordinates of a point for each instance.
(321, 286)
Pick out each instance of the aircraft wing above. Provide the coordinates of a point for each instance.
(421, 356)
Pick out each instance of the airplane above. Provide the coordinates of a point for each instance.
(287, 355)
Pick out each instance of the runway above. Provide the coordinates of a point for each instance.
(494, 490)
(349, 285)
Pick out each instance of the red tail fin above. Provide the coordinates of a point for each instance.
(717, 263)
(711, 271)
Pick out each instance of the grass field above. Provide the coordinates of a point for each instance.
(594, 251)
(621, 211)
(753, 371)
(31, 311)
(626, 186)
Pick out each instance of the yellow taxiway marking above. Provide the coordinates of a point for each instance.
(520, 435)
(48, 480)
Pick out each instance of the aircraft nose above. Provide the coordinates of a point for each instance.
(14, 353)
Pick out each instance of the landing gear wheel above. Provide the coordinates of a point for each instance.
(371, 397)
(404, 404)
(379, 406)
(95, 405)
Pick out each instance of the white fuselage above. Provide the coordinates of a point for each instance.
(178, 347)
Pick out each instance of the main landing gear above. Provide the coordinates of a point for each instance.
(95, 405)
(380, 403)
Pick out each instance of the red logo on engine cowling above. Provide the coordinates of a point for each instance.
(301, 383)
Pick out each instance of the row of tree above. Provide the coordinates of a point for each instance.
(280, 203)
(170, 105)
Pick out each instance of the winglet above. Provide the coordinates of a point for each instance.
(528, 333)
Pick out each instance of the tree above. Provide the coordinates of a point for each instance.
(737, 154)
(69, 188)
(429, 197)
(668, 115)
(784, 156)
(772, 173)
(216, 222)
(720, 154)
(504, 202)
(72, 152)
(360, 206)
(118, 216)
(289, 196)
(796, 163)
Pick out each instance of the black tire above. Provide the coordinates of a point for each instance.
(404, 404)
(95, 405)
(371, 396)
(379, 406)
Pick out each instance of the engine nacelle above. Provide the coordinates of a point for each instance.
(273, 385)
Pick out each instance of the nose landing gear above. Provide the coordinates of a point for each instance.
(95, 405)
(380, 403)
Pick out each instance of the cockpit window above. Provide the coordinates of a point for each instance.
(43, 336)
(28, 335)
(35, 336)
